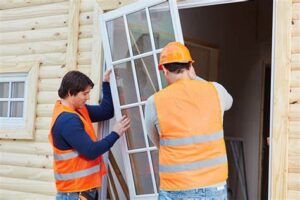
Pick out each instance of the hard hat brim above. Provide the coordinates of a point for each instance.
(160, 66)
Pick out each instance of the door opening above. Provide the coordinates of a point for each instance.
(229, 42)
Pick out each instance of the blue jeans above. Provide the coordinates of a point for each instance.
(73, 195)
(212, 193)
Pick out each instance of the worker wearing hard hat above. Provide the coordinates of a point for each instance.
(185, 122)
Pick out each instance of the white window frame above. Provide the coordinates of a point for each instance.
(178, 37)
(10, 122)
(21, 128)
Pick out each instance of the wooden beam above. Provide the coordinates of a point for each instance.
(112, 184)
(35, 11)
(26, 160)
(41, 47)
(9, 4)
(25, 185)
(96, 64)
(34, 23)
(45, 59)
(113, 4)
(40, 174)
(282, 66)
(73, 31)
(11, 194)
(49, 34)
(118, 173)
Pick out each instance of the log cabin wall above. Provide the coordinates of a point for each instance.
(60, 35)
(293, 177)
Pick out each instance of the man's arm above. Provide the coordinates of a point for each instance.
(105, 110)
(151, 121)
(68, 133)
(225, 97)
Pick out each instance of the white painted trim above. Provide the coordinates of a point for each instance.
(183, 4)
(139, 5)
(31, 69)
(272, 96)
(14, 122)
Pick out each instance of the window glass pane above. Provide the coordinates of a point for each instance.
(146, 75)
(4, 87)
(117, 39)
(154, 157)
(162, 76)
(16, 109)
(161, 25)
(3, 108)
(139, 32)
(141, 173)
(135, 135)
(17, 90)
(149, 141)
(125, 83)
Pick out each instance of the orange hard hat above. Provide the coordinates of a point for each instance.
(174, 52)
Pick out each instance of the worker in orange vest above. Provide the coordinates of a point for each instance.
(185, 121)
(78, 165)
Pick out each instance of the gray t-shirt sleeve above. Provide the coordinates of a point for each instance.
(151, 121)
(225, 97)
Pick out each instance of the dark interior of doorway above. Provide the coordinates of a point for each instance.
(231, 44)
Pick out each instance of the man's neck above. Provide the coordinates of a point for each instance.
(67, 103)
(177, 77)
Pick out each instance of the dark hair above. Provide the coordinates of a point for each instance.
(72, 83)
(177, 67)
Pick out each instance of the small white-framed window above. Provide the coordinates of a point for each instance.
(18, 94)
(12, 100)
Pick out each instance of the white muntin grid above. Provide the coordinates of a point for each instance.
(123, 12)
(9, 99)
(8, 121)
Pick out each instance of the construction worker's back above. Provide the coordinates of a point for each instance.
(192, 151)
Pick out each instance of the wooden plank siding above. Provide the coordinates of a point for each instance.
(293, 174)
(61, 35)
(33, 32)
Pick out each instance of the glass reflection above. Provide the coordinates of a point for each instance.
(125, 83)
(117, 39)
(141, 173)
(164, 82)
(154, 157)
(16, 109)
(139, 32)
(135, 134)
(161, 25)
(146, 75)
(4, 87)
(3, 108)
(17, 90)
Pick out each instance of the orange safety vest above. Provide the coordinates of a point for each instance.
(192, 150)
(72, 171)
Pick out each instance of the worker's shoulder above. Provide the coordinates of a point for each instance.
(150, 100)
(218, 85)
(66, 117)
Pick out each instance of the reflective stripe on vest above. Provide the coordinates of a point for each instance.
(192, 140)
(191, 166)
(65, 156)
(79, 174)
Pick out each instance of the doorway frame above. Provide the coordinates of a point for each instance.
(280, 73)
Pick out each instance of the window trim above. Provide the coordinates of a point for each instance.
(7, 122)
(26, 130)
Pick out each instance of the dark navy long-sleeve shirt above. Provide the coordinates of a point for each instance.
(68, 130)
